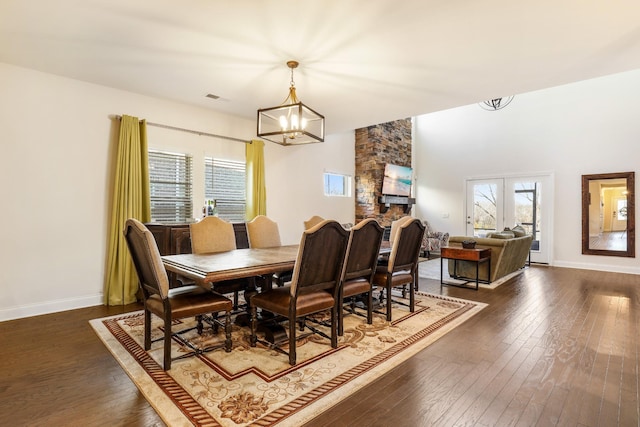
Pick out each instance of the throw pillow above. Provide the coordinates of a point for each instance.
(519, 231)
(503, 235)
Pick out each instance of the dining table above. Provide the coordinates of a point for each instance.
(235, 264)
(209, 269)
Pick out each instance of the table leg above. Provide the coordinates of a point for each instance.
(477, 274)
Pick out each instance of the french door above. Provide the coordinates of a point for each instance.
(493, 204)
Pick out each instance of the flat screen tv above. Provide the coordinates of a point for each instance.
(397, 180)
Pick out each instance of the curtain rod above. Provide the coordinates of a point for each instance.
(212, 135)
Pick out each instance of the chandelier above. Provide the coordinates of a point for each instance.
(496, 104)
(291, 123)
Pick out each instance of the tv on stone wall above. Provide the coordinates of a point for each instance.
(397, 180)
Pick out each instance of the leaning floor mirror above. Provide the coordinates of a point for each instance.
(608, 214)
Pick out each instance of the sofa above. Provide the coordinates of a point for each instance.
(509, 252)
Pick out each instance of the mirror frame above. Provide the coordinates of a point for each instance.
(631, 215)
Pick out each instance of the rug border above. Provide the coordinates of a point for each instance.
(172, 415)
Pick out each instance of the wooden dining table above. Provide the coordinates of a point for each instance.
(209, 269)
(236, 264)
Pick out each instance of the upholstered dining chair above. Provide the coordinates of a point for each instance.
(314, 220)
(263, 232)
(359, 267)
(170, 304)
(395, 226)
(314, 287)
(213, 234)
(402, 266)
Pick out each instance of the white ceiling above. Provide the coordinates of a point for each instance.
(362, 62)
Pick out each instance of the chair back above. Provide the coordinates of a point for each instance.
(146, 259)
(313, 221)
(395, 226)
(320, 259)
(263, 233)
(406, 247)
(212, 234)
(362, 253)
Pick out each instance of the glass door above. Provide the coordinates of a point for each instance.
(493, 204)
(485, 212)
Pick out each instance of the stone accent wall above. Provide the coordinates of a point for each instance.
(376, 146)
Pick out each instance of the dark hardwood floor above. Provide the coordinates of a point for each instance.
(555, 346)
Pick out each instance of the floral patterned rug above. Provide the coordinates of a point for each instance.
(257, 386)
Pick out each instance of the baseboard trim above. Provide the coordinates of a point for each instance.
(598, 267)
(48, 307)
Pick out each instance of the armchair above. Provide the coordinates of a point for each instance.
(433, 240)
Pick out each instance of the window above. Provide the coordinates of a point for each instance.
(225, 182)
(170, 178)
(337, 185)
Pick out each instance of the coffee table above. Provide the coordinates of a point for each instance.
(461, 254)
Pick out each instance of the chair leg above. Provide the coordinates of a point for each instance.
(370, 307)
(292, 342)
(227, 332)
(334, 326)
(254, 325)
(147, 330)
(412, 297)
(167, 341)
(340, 310)
(199, 326)
(389, 287)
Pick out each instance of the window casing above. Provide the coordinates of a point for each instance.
(337, 185)
(170, 186)
(225, 182)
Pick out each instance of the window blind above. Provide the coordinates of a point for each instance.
(170, 182)
(225, 182)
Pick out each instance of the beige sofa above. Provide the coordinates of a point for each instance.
(508, 254)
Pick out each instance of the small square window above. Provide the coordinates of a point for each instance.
(337, 185)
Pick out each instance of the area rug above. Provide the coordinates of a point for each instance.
(257, 386)
(431, 270)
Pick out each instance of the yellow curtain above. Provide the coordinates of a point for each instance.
(130, 200)
(256, 189)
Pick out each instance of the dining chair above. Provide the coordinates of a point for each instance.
(211, 235)
(401, 268)
(314, 287)
(395, 226)
(171, 304)
(314, 220)
(263, 232)
(359, 267)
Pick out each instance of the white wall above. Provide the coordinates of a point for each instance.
(295, 189)
(58, 148)
(583, 128)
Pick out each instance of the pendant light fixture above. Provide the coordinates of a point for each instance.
(291, 123)
(496, 104)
